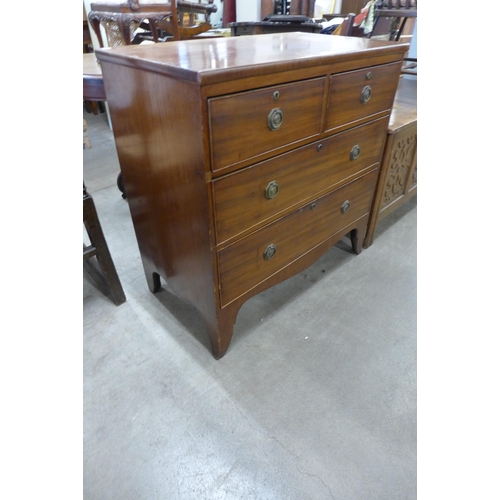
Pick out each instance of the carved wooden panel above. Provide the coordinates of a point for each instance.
(402, 154)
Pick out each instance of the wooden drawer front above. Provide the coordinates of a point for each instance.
(244, 199)
(242, 265)
(345, 104)
(239, 126)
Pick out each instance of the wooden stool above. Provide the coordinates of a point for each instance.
(397, 180)
(99, 249)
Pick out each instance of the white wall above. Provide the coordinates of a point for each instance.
(247, 11)
(217, 17)
(413, 45)
(325, 7)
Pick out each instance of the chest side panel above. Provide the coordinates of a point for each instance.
(160, 145)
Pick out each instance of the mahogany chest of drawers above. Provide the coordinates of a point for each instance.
(245, 159)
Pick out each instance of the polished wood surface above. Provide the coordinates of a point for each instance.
(301, 175)
(241, 265)
(382, 83)
(232, 58)
(405, 105)
(179, 183)
(239, 128)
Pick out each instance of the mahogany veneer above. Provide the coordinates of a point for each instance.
(245, 159)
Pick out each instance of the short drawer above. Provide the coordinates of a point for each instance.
(258, 193)
(357, 95)
(251, 260)
(245, 125)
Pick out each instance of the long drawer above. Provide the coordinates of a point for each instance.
(261, 192)
(357, 95)
(254, 258)
(245, 125)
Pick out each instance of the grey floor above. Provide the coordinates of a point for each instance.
(315, 398)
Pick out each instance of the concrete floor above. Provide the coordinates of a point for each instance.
(315, 398)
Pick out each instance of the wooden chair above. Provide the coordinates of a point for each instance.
(401, 22)
(394, 24)
(183, 24)
(400, 19)
(122, 20)
(98, 248)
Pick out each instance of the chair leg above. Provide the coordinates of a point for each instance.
(101, 251)
(86, 140)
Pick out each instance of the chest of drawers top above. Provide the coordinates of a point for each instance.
(229, 59)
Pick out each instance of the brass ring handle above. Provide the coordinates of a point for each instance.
(270, 251)
(345, 206)
(275, 119)
(272, 190)
(355, 152)
(366, 94)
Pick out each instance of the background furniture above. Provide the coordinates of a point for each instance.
(121, 20)
(183, 24)
(283, 24)
(93, 90)
(93, 84)
(402, 31)
(91, 106)
(87, 41)
(280, 16)
(352, 6)
(248, 165)
(397, 181)
(396, 24)
(284, 7)
(98, 248)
